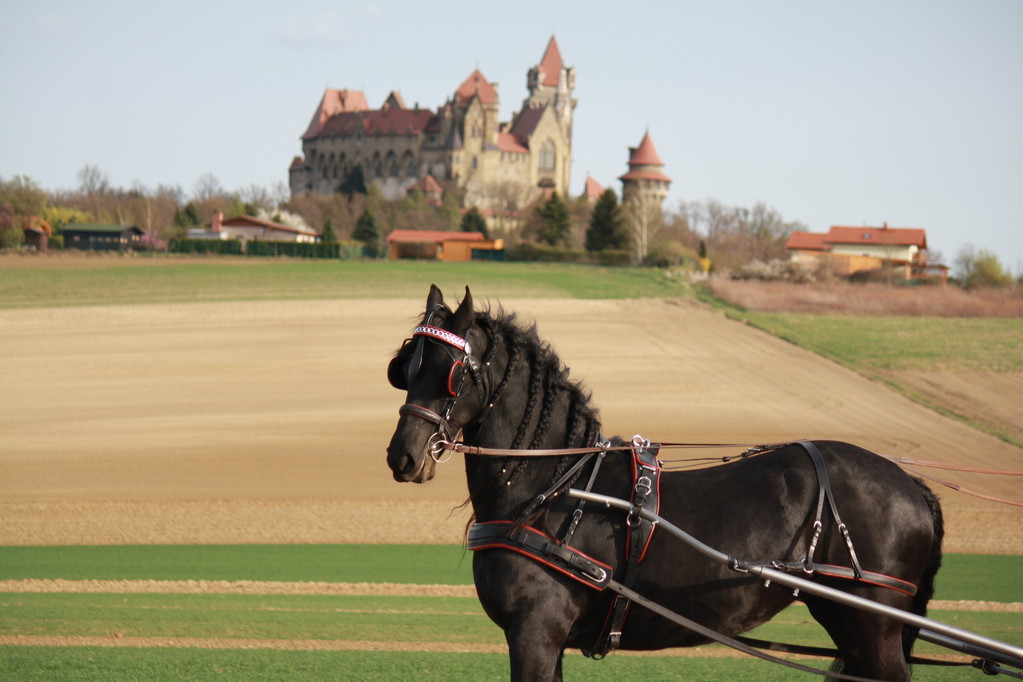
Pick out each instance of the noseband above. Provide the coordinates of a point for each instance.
(456, 379)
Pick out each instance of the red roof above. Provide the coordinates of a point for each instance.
(507, 142)
(644, 163)
(377, 122)
(644, 154)
(335, 102)
(645, 175)
(551, 64)
(434, 236)
(888, 236)
(476, 85)
(593, 189)
(427, 184)
(525, 123)
(807, 241)
(251, 221)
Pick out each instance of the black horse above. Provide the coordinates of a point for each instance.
(492, 381)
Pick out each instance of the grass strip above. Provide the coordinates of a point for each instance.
(166, 281)
(963, 576)
(413, 564)
(91, 663)
(448, 620)
(272, 617)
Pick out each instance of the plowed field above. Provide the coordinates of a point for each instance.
(267, 421)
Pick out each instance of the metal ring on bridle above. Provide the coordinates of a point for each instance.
(437, 445)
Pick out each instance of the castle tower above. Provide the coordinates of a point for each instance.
(644, 189)
(551, 83)
(645, 182)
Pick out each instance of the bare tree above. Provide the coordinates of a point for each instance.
(643, 219)
(92, 181)
(207, 187)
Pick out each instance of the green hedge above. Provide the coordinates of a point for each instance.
(293, 249)
(612, 257)
(234, 247)
(546, 254)
(229, 247)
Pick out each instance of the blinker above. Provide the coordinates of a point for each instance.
(415, 363)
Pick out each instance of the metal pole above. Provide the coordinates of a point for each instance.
(766, 573)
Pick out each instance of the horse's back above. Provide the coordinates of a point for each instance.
(762, 509)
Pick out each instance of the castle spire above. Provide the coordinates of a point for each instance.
(644, 162)
(551, 64)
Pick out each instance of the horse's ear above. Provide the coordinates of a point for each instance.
(464, 315)
(435, 301)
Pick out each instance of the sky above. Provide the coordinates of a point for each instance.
(908, 112)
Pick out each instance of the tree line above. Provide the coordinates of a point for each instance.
(691, 234)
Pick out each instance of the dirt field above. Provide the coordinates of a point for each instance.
(267, 422)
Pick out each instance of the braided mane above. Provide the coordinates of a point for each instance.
(549, 387)
(549, 379)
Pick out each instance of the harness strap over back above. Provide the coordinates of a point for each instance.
(824, 483)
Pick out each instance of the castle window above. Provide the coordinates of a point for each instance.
(475, 163)
(409, 162)
(547, 156)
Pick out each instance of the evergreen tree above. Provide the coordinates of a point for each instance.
(187, 216)
(367, 231)
(473, 221)
(555, 222)
(605, 230)
(328, 236)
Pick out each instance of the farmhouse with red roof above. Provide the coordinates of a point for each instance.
(461, 144)
(854, 250)
(443, 245)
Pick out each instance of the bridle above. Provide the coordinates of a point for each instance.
(463, 368)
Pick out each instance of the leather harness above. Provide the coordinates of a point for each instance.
(560, 556)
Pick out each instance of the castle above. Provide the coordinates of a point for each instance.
(500, 166)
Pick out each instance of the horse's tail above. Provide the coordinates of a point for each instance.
(925, 590)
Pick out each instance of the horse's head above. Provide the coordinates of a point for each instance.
(437, 367)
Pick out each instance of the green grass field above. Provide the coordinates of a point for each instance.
(168, 281)
(444, 621)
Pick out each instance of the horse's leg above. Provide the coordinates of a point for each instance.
(535, 609)
(536, 646)
(870, 644)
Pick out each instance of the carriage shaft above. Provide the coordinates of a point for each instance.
(1014, 653)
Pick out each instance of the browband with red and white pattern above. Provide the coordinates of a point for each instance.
(442, 335)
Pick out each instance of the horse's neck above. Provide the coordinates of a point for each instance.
(534, 410)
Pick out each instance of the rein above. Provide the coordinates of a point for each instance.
(750, 450)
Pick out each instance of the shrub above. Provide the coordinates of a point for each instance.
(229, 247)
(293, 249)
(613, 257)
(774, 271)
(546, 254)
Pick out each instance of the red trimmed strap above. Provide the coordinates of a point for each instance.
(542, 548)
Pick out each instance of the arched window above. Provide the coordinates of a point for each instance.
(408, 162)
(391, 162)
(547, 156)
